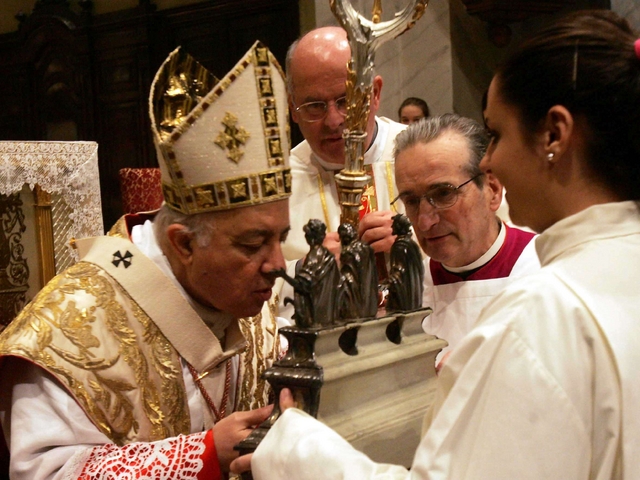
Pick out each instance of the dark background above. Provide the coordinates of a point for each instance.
(71, 75)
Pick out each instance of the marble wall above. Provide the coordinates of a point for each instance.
(629, 9)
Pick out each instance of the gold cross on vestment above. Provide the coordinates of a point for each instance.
(232, 137)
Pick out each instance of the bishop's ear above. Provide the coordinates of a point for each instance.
(180, 241)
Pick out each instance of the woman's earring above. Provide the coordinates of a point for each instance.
(550, 157)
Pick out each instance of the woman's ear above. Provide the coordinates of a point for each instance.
(494, 190)
(180, 242)
(558, 130)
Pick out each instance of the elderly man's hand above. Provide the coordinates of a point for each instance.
(243, 463)
(376, 229)
(231, 430)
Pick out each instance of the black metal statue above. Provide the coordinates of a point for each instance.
(316, 281)
(358, 290)
(407, 271)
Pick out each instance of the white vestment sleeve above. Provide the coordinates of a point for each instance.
(506, 417)
(300, 447)
(519, 396)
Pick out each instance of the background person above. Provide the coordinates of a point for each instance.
(545, 385)
(412, 109)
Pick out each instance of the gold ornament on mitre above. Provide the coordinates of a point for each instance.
(221, 144)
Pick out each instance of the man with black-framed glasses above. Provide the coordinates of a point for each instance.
(452, 205)
(316, 68)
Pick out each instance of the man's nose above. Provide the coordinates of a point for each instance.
(334, 118)
(428, 215)
(275, 259)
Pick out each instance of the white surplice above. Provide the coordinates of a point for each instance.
(457, 306)
(544, 387)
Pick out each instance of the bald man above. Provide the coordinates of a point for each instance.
(316, 75)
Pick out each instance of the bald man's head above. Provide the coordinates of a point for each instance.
(324, 45)
(317, 72)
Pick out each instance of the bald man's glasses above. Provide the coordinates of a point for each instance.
(316, 111)
(440, 196)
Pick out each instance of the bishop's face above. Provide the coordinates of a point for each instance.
(232, 272)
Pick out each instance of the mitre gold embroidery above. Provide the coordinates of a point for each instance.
(205, 197)
(232, 137)
(270, 186)
(239, 190)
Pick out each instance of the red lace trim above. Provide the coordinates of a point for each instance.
(185, 457)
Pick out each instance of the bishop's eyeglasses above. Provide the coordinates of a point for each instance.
(316, 111)
(440, 196)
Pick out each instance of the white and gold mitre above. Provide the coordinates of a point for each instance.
(221, 144)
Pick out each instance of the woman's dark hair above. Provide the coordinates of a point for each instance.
(586, 62)
(418, 102)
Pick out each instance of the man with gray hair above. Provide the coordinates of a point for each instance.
(452, 205)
